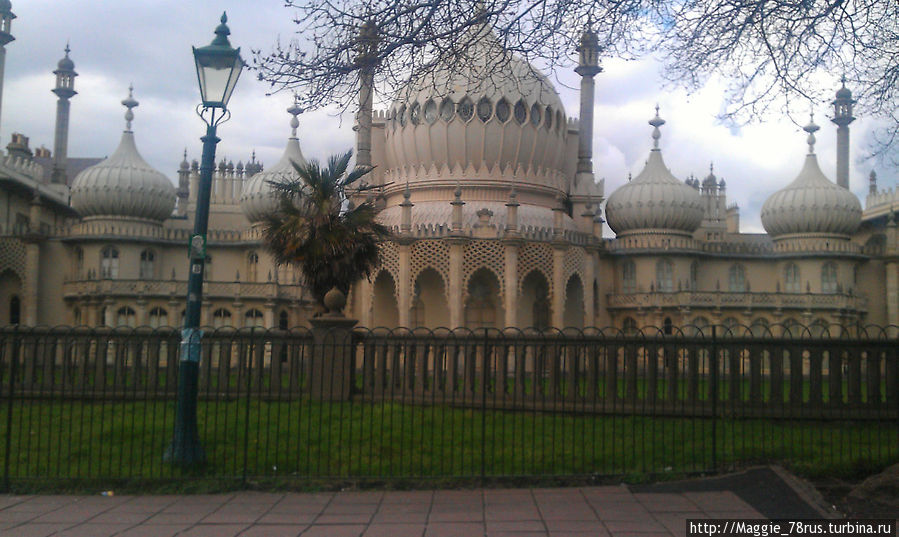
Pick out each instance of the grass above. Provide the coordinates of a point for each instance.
(58, 445)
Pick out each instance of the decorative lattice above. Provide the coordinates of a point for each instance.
(390, 259)
(536, 256)
(573, 264)
(12, 257)
(484, 254)
(429, 254)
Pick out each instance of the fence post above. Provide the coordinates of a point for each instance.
(484, 377)
(13, 371)
(332, 356)
(713, 357)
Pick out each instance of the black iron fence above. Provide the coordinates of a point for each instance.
(299, 405)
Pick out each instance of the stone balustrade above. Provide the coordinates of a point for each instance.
(745, 301)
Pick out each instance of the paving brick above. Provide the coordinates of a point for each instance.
(345, 530)
(394, 530)
(454, 529)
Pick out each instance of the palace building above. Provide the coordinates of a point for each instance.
(488, 186)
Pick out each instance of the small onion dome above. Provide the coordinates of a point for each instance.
(5, 6)
(123, 184)
(844, 93)
(811, 203)
(655, 199)
(66, 63)
(258, 199)
(185, 166)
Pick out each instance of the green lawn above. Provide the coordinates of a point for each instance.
(59, 442)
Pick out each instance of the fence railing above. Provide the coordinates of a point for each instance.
(99, 403)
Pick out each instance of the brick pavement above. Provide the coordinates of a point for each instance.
(566, 512)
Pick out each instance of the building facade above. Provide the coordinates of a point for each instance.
(488, 186)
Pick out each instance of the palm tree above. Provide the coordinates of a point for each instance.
(315, 228)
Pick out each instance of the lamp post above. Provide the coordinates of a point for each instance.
(218, 68)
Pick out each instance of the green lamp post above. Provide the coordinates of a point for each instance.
(218, 68)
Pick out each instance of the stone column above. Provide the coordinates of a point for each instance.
(457, 249)
(141, 310)
(558, 303)
(32, 271)
(403, 288)
(510, 275)
(589, 275)
(109, 314)
(365, 292)
(268, 315)
(892, 290)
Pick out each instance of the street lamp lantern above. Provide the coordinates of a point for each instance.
(218, 68)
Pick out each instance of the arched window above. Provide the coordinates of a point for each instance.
(282, 320)
(668, 326)
(485, 109)
(737, 279)
(731, 327)
(252, 266)
(15, 310)
(109, 263)
(628, 276)
(207, 269)
(76, 316)
(125, 316)
(629, 326)
(77, 263)
(147, 260)
(503, 110)
(694, 275)
(664, 276)
(158, 317)
(465, 109)
(447, 109)
(253, 318)
(760, 328)
(221, 317)
(829, 278)
(791, 279)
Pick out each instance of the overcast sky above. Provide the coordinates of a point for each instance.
(147, 43)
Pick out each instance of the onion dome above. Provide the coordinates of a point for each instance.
(476, 112)
(654, 200)
(184, 166)
(811, 204)
(258, 198)
(123, 184)
(66, 63)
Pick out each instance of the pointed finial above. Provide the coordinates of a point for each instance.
(130, 103)
(294, 110)
(67, 48)
(656, 122)
(628, 177)
(711, 168)
(811, 129)
(458, 192)
(407, 193)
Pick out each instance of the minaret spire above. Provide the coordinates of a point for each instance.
(588, 67)
(656, 122)
(65, 90)
(811, 129)
(842, 117)
(6, 37)
(366, 59)
(130, 103)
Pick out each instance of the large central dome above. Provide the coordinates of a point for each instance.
(483, 114)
